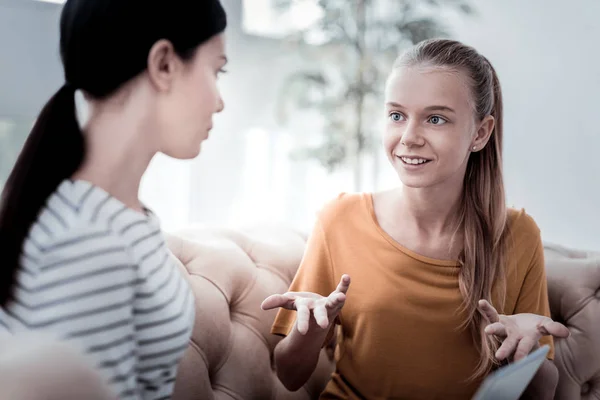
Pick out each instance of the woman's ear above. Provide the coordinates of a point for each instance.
(163, 65)
(483, 134)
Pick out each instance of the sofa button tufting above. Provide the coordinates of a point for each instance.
(560, 320)
(585, 388)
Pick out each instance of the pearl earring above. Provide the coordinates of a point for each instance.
(474, 148)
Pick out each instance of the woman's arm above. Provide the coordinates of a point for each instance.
(297, 355)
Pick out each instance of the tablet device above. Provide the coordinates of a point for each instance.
(510, 381)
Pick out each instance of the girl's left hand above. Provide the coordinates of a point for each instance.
(520, 333)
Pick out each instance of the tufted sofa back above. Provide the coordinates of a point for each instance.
(231, 352)
(574, 290)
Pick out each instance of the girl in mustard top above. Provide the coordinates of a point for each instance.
(428, 259)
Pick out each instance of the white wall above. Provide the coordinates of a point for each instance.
(30, 69)
(546, 54)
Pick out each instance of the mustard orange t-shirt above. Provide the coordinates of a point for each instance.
(399, 335)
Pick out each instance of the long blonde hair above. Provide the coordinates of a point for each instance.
(483, 214)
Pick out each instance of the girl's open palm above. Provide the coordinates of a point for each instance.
(323, 309)
(520, 333)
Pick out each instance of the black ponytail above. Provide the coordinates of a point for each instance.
(53, 151)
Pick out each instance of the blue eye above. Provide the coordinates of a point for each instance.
(396, 117)
(436, 120)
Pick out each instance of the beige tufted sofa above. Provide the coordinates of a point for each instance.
(230, 356)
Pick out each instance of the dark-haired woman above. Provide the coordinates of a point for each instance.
(82, 258)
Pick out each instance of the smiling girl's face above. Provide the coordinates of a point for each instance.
(431, 125)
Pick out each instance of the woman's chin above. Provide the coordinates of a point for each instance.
(187, 153)
(415, 182)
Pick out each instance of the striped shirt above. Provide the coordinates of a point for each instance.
(98, 274)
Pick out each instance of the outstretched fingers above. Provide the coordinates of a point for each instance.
(489, 311)
(496, 329)
(556, 329)
(344, 284)
(302, 318)
(320, 315)
(278, 300)
(310, 305)
(335, 300)
(507, 348)
(524, 347)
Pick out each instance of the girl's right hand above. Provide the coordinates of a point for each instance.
(323, 309)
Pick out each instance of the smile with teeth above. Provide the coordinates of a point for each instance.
(414, 161)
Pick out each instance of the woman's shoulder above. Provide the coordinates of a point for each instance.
(76, 221)
(79, 208)
(344, 207)
(522, 226)
(525, 246)
(80, 242)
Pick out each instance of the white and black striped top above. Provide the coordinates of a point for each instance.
(99, 275)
